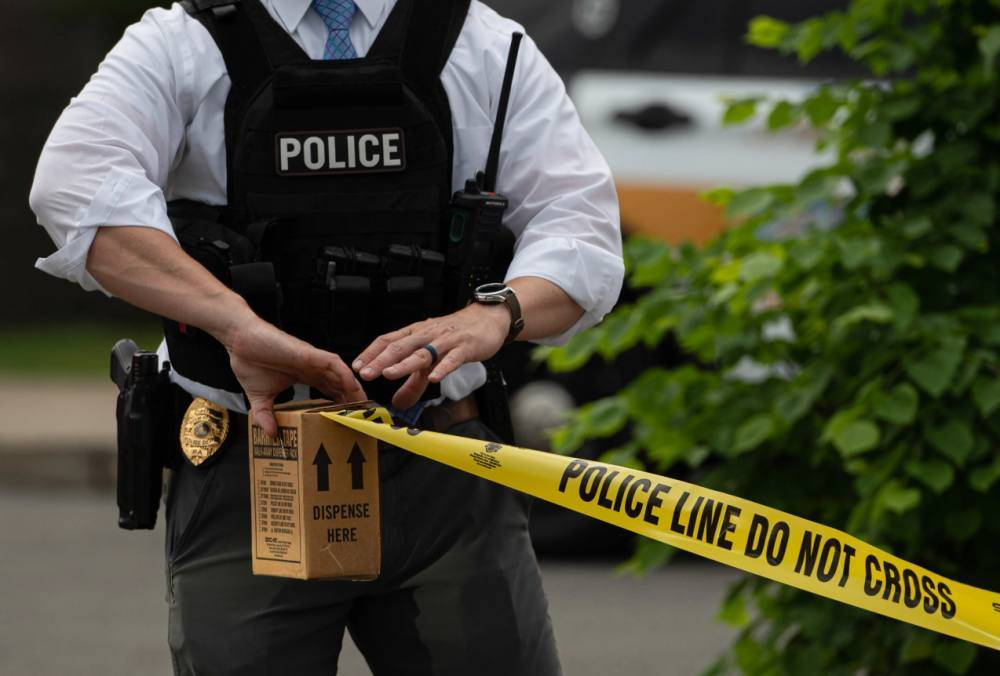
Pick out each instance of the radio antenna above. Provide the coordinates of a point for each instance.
(493, 159)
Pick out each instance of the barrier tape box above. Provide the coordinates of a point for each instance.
(315, 497)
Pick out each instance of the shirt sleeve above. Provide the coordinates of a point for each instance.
(110, 153)
(563, 204)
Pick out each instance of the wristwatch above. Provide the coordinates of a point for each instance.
(496, 293)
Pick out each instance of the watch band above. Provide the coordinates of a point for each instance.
(516, 320)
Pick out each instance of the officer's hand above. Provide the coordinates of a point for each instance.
(474, 333)
(267, 361)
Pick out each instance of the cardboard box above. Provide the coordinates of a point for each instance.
(315, 497)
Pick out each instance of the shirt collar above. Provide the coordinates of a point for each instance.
(292, 11)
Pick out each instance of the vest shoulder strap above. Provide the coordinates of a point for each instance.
(422, 34)
(229, 24)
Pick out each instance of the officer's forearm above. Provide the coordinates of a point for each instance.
(148, 269)
(546, 308)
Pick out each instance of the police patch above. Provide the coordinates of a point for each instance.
(351, 151)
(203, 430)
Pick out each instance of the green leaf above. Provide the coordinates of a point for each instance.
(809, 38)
(955, 656)
(720, 196)
(986, 394)
(919, 645)
(953, 439)
(898, 406)
(856, 437)
(767, 32)
(856, 250)
(759, 266)
(875, 173)
(648, 261)
(871, 312)
(934, 370)
(577, 351)
(752, 433)
(989, 46)
(783, 114)
(621, 330)
(936, 474)
(648, 555)
(962, 525)
(821, 107)
(898, 498)
(739, 111)
(568, 438)
(603, 417)
(972, 235)
(983, 478)
(623, 456)
(734, 611)
(875, 135)
(916, 226)
(946, 257)
(901, 108)
(749, 203)
(904, 303)
(967, 371)
(802, 393)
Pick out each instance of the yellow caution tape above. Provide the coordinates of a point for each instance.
(718, 526)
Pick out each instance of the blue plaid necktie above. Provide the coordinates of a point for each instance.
(337, 15)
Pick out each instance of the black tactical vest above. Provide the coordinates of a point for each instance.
(339, 178)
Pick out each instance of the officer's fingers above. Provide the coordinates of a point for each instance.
(410, 391)
(448, 363)
(392, 354)
(328, 373)
(262, 414)
(379, 344)
(352, 390)
(336, 390)
(421, 359)
(342, 381)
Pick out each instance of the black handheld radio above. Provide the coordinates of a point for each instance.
(479, 248)
(142, 387)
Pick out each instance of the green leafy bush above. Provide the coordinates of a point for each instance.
(849, 373)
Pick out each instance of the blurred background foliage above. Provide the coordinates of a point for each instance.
(847, 374)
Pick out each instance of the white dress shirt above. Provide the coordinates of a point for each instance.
(147, 128)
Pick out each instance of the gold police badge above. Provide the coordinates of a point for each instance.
(203, 430)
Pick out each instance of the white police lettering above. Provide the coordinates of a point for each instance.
(340, 152)
(369, 158)
(290, 147)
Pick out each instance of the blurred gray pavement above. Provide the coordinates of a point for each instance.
(57, 433)
(79, 596)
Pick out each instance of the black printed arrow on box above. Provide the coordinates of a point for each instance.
(357, 462)
(322, 463)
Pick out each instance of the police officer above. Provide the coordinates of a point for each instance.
(318, 140)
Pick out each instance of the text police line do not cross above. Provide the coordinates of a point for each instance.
(712, 521)
(725, 528)
(340, 152)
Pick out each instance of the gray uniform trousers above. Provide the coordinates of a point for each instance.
(460, 591)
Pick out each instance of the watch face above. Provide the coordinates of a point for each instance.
(491, 288)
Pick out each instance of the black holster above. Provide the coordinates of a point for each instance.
(147, 412)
